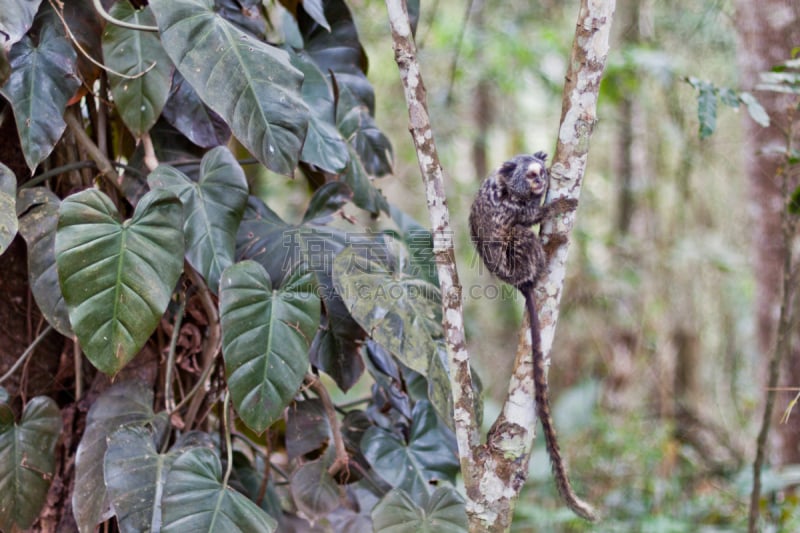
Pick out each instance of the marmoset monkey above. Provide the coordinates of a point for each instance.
(508, 203)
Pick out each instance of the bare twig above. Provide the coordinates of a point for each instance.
(783, 341)
(433, 176)
(103, 164)
(28, 351)
(211, 348)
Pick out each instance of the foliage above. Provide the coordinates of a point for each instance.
(176, 252)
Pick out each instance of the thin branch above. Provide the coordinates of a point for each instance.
(103, 164)
(433, 176)
(150, 159)
(226, 424)
(211, 348)
(342, 459)
(783, 341)
(27, 353)
(98, 6)
(169, 400)
(578, 116)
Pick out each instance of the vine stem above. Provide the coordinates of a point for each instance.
(783, 340)
(98, 6)
(28, 351)
(342, 460)
(226, 422)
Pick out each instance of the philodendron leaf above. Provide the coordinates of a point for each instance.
(117, 277)
(324, 146)
(126, 404)
(8, 211)
(442, 512)
(212, 207)
(314, 490)
(43, 78)
(38, 217)
(27, 462)
(398, 311)
(135, 474)
(16, 17)
(249, 83)
(197, 499)
(266, 334)
(427, 455)
(138, 54)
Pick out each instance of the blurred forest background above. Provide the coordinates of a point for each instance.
(659, 363)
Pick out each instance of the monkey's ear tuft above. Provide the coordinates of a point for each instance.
(507, 168)
(540, 155)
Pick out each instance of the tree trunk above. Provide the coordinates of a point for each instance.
(768, 30)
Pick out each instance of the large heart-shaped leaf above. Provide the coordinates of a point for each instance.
(38, 217)
(212, 208)
(189, 115)
(129, 403)
(117, 277)
(43, 78)
(27, 462)
(135, 474)
(280, 247)
(8, 211)
(442, 512)
(138, 54)
(398, 311)
(266, 333)
(428, 455)
(314, 490)
(324, 146)
(16, 17)
(196, 499)
(252, 85)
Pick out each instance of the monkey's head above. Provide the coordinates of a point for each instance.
(525, 176)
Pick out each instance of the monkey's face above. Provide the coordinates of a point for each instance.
(525, 176)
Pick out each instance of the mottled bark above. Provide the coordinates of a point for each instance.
(768, 30)
(494, 473)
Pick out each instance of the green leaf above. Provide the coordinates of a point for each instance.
(427, 456)
(189, 115)
(755, 109)
(8, 209)
(706, 108)
(266, 334)
(38, 217)
(324, 146)
(27, 463)
(125, 404)
(135, 475)
(327, 200)
(314, 490)
(335, 48)
(139, 54)
(400, 312)
(358, 127)
(794, 202)
(16, 17)
(443, 512)
(116, 277)
(212, 209)
(250, 84)
(43, 78)
(365, 195)
(196, 499)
